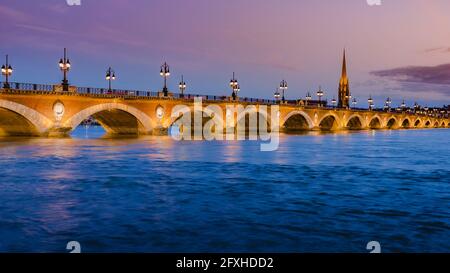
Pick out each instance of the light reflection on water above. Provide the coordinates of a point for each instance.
(317, 192)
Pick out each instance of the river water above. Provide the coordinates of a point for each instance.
(316, 193)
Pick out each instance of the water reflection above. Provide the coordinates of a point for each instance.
(317, 192)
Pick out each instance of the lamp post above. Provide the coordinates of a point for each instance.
(403, 105)
(416, 107)
(182, 86)
(348, 98)
(110, 76)
(165, 73)
(354, 102)
(308, 97)
(276, 95)
(333, 102)
(234, 87)
(320, 95)
(283, 87)
(388, 103)
(7, 72)
(370, 102)
(64, 65)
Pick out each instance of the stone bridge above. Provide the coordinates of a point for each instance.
(38, 112)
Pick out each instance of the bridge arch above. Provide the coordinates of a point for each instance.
(252, 109)
(17, 119)
(406, 123)
(418, 123)
(297, 120)
(329, 122)
(183, 109)
(375, 122)
(427, 123)
(245, 122)
(211, 113)
(355, 122)
(391, 122)
(116, 118)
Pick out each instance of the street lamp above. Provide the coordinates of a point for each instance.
(348, 98)
(403, 106)
(354, 102)
(333, 102)
(64, 65)
(416, 106)
(165, 73)
(308, 97)
(388, 103)
(283, 87)
(110, 76)
(7, 72)
(277, 95)
(182, 86)
(234, 87)
(370, 102)
(320, 95)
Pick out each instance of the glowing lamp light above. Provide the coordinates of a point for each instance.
(333, 102)
(308, 96)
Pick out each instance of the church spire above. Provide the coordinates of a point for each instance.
(344, 66)
(344, 89)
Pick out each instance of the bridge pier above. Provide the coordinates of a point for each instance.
(160, 131)
(59, 132)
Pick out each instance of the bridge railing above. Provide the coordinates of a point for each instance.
(29, 86)
(115, 92)
(129, 93)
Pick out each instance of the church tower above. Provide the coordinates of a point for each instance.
(344, 90)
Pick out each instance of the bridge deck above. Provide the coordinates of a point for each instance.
(43, 110)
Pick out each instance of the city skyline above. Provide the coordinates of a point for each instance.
(208, 48)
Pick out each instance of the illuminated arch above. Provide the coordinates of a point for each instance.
(143, 119)
(403, 124)
(39, 123)
(206, 112)
(371, 125)
(353, 117)
(301, 113)
(335, 125)
(390, 124)
(253, 110)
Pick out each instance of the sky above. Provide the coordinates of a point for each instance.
(400, 49)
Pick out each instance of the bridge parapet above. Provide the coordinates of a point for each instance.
(128, 93)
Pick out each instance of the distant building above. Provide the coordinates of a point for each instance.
(344, 89)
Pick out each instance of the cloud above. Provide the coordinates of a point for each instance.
(419, 79)
(439, 74)
(44, 29)
(438, 50)
(11, 13)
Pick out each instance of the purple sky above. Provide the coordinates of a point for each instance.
(399, 49)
